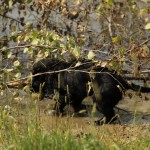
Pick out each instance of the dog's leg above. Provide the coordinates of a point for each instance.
(109, 116)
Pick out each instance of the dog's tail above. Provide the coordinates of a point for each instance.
(126, 85)
(139, 88)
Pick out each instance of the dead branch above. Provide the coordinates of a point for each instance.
(23, 81)
(15, 84)
(24, 46)
(10, 18)
(122, 109)
(131, 112)
(145, 71)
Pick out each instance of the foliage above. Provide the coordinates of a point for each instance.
(66, 29)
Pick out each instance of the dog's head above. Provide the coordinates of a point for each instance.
(42, 80)
(38, 76)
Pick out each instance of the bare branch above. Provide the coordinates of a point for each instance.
(10, 18)
(23, 46)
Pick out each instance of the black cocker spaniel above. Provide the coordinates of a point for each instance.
(75, 82)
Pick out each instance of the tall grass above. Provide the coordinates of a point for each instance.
(26, 132)
(31, 136)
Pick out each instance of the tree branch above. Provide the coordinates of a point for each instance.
(11, 18)
(23, 46)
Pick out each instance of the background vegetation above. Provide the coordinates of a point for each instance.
(117, 31)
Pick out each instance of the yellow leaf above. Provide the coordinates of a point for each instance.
(147, 26)
(26, 50)
(78, 64)
(35, 42)
(76, 52)
(91, 55)
(9, 54)
(144, 11)
(16, 63)
(18, 75)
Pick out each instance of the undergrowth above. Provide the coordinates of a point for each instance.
(26, 132)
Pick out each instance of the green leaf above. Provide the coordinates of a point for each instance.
(78, 64)
(9, 70)
(10, 3)
(9, 54)
(76, 52)
(18, 75)
(28, 1)
(40, 54)
(147, 26)
(31, 51)
(16, 63)
(4, 49)
(110, 2)
(55, 37)
(91, 55)
(19, 39)
(46, 53)
(115, 39)
(26, 50)
(35, 41)
(26, 38)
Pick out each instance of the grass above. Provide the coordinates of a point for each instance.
(32, 136)
(27, 128)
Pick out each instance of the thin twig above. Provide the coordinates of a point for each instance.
(144, 42)
(145, 71)
(123, 109)
(23, 46)
(10, 18)
(63, 70)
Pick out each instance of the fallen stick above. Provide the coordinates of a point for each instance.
(123, 109)
(15, 84)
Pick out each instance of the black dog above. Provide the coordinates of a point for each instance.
(107, 87)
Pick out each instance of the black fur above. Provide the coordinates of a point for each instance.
(107, 86)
